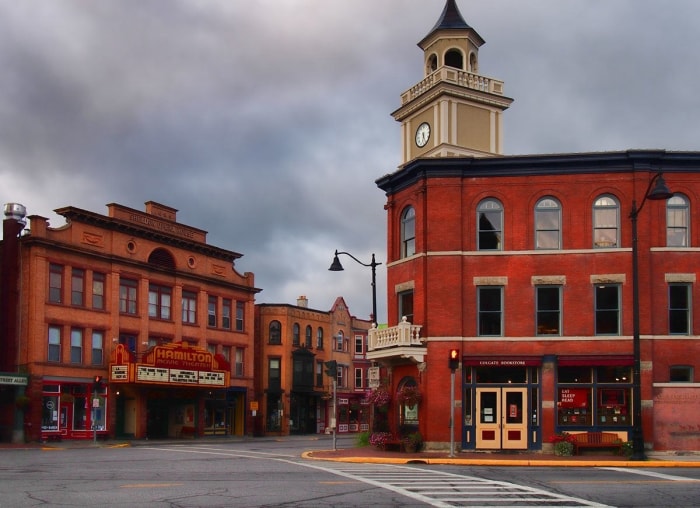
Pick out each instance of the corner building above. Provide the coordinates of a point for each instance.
(141, 302)
(525, 265)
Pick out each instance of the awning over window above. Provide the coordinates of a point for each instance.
(596, 360)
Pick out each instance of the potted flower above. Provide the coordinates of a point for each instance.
(563, 444)
(409, 395)
(413, 442)
(379, 397)
(379, 439)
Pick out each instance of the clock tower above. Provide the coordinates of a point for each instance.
(453, 111)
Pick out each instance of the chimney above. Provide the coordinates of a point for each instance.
(302, 301)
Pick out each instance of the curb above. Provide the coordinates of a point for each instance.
(506, 462)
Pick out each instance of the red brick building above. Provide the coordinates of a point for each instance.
(524, 264)
(138, 300)
(294, 343)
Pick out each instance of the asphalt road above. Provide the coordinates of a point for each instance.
(272, 473)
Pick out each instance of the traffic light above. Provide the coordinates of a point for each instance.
(332, 368)
(454, 359)
(97, 383)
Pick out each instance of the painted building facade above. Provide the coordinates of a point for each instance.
(524, 264)
(127, 325)
(294, 345)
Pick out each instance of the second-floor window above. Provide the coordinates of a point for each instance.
(359, 345)
(159, 301)
(127, 296)
(240, 316)
(309, 337)
(679, 309)
(274, 374)
(547, 224)
(98, 338)
(339, 340)
(238, 364)
(405, 299)
(319, 338)
(189, 307)
(54, 353)
(490, 223)
(548, 310)
(359, 378)
(76, 345)
(226, 314)
(490, 304)
(296, 332)
(607, 309)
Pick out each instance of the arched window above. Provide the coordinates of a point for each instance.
(296, 332)
(162, 258)
(275, 332)
(454, 58)
(547, 224)
(309, 334)
(432, 64)
(319, 338)
(677, 221)
(408, 232)
(489, 217)
(606, 223)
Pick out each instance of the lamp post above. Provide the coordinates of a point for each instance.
(337, 267)
(660, 192)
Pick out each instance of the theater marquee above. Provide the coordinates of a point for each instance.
(172, 364)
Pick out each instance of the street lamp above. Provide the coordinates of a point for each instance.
(337, 267)
(659, 193)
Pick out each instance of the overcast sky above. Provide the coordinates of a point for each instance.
(266, 122)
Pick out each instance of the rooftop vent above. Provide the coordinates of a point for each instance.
(16, 211)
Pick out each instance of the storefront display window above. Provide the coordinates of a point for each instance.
(49, 413)
(604, 402)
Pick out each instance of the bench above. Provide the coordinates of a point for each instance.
(394, 444)
(187, 432)
(596, 440)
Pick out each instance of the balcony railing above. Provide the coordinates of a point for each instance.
(455, 76)
(402, 335)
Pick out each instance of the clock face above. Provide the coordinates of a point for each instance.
(422, 134)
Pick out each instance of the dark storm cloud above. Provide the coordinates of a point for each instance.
(266, 122)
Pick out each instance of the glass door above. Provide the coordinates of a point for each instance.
(501, 418)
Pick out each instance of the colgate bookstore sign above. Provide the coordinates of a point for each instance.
(172, 364)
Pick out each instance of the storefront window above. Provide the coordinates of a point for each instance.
(605, 401)
(49, 413)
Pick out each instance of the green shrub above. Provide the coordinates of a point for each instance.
(362, 439)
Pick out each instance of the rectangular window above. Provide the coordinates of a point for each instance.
(340, 376)
(319, 373)
(274, 374)
(127, 296)
(240, 316)
(98, 339)
(55, 283)
(405, 299)
(211, 310)
(159, 301)
(679, 309)
(607, 310)
(128, 341)
(76, 346)
(239, 371)
(211, 348)
(319, 338)
(490, 310)
(77, 287)
(681, 374)
(339, 341)
(359, 345)
(98, 290)
(54, 354)
(189, 307)
(226, 314)
(548, 310)
(359, 378)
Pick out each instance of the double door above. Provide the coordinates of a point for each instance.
(501, 418)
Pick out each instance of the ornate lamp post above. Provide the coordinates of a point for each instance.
(659, 193)
(337, 267)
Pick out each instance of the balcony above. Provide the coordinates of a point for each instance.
(453, 76)
(396, 344)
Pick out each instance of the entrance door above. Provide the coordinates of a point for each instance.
(501, 418)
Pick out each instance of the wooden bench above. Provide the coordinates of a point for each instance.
(394, 444)
(187, 432)
(596, 440)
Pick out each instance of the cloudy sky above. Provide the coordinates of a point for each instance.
(266, 122)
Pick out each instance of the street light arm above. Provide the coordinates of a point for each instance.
(660, 192)
(372, 264)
